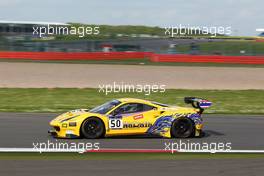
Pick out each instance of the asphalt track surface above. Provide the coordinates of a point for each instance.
(243, 132)
(198, 167)
(50, 75)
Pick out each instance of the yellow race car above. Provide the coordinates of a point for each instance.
(130, 116)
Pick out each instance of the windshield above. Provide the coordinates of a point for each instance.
(104, 108)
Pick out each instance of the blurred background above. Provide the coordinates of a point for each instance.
(18, 36)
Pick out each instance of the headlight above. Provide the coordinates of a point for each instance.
(72, 124)
(64, 120)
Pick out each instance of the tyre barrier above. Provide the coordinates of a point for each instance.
(185, 58)
(74, 55)
(181, 58)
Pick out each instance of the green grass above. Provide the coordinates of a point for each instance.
(64, 99)
(123, 156)
(227, 47)
(135, 61)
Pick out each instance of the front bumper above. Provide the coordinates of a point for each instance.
(63, 130)
(52, 133)
(55, 134)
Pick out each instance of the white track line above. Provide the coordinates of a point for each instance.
(32, 150)
(220, 151)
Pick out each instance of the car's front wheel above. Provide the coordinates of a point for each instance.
(182, 128)
(93, 128)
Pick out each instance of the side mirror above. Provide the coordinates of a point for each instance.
(116, 112)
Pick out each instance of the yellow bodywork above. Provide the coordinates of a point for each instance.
(68, 125)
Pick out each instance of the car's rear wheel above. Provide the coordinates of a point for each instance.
(93, 128)
(182, 128)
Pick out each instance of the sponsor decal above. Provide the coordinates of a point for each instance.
(139, 116)
(137, 125)
(162, 125)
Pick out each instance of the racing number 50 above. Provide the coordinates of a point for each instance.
(115, 123)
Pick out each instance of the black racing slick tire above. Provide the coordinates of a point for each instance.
(93, 128)
(182, 128)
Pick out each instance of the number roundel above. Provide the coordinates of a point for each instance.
(115, 123)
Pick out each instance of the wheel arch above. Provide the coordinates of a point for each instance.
(183, 118)
(80, 129)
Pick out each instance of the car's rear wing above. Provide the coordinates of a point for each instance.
(198, 102)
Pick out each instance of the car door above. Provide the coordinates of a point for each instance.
(132, 118)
